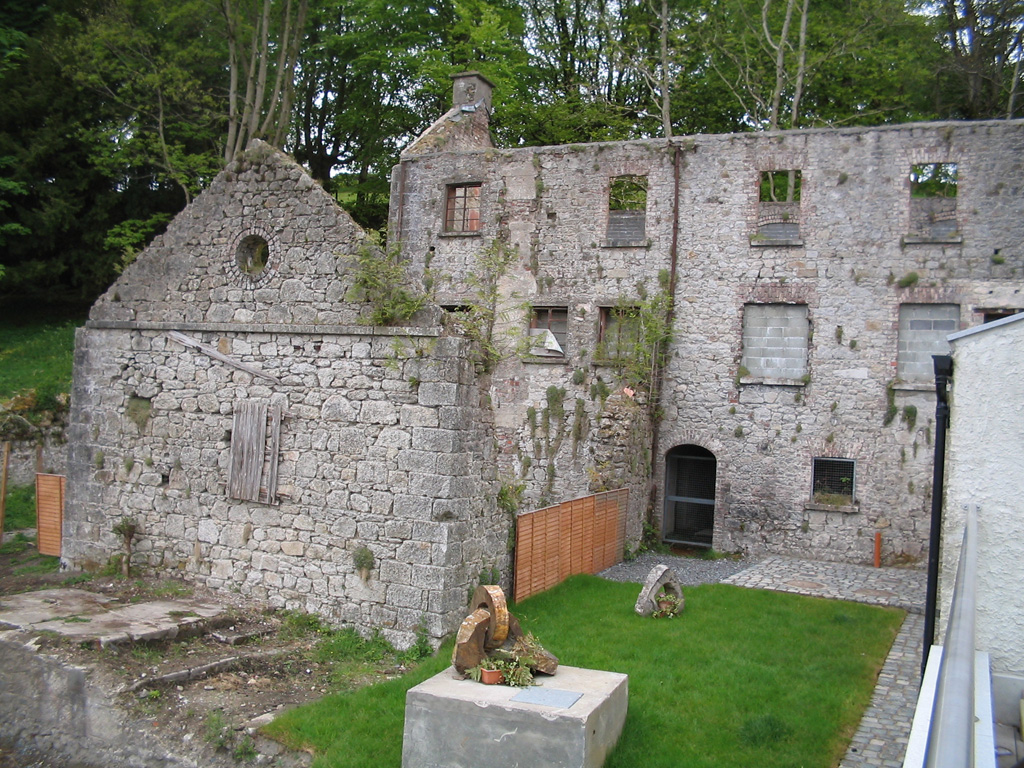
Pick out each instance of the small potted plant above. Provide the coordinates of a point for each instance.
(489, 671)
(668, 605)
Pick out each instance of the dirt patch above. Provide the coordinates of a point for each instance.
(206, 696)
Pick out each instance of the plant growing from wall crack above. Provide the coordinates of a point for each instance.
(380, 279)
(478, 322)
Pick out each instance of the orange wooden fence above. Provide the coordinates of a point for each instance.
(580, 536)
(49, 512)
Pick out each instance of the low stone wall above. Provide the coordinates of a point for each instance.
(57, 710)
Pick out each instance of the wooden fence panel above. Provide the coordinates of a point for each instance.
(584, 535)
(49, 513)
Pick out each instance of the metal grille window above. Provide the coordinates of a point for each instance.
(619, 332)
(462, 210)
(548, 328)
(833, 481)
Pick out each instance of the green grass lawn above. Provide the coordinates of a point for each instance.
(20, 507)
(36, 355)
(742, 678)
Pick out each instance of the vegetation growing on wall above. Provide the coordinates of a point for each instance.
(380, 280)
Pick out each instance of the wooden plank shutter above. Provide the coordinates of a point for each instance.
(248, 441)
(49, 513)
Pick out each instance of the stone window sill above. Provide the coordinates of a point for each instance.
(460, 234)
(626, 243)
(773, 382)
(925, 240)
(757, 241)
(545, 360)
(914, 386)
(846, 509)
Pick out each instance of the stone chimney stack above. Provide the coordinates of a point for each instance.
(470, 91)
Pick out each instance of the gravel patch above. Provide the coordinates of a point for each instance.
(690, 570)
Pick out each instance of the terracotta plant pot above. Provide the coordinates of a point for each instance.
(665, 605)
(491, 676)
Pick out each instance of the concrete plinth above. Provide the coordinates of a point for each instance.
(451, 723)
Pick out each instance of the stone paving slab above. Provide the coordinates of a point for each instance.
(881, 737)
(88, 617)
(900, 587)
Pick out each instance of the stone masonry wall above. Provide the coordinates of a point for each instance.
(385, 444)
(855, 260)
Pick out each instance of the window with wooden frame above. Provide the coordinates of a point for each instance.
(618, 334)
(548, 328)
(255, 442)
(462, 209)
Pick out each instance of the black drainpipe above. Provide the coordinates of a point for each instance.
(656, 383)
(943, 378)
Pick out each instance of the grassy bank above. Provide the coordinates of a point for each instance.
(741, 678)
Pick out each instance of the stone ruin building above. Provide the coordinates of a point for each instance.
(230, 396)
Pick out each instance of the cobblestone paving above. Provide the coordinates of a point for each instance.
(902, 587)
(881, 738)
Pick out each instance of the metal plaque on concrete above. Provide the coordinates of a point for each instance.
(548, 697)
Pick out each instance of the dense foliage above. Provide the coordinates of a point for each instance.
(116, 113)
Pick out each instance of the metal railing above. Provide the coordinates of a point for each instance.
(951, 735)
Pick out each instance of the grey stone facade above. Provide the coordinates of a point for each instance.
(399, 441)
(853, 250)
(382, 446)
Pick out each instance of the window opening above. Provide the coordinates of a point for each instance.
(991, 315)
(627, 210)
(933, 192)
(548, 328)
(778, 214)
(922, 333)
(252, 255)
(462, 212)
(833, 481)
(619, 332)
(775, 340)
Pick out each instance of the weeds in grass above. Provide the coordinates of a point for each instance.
(216, 730)
(245, 749)
(17, 545)
(39, 565)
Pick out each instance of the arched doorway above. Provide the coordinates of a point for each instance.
(690, 495)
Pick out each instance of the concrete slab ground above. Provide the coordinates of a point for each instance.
(570, 720)
(88, 617)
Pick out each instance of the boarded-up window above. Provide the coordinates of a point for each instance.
(775, 341)
(923, 332)
(255, 440)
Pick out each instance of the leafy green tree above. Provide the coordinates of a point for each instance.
(791, 63)
(153, 62)
(982, 77)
